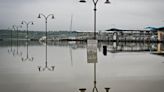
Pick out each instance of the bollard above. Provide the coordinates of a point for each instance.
(105, 50)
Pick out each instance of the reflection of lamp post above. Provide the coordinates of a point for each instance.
(16, 27)
(92, 58)
(84, 89)
(94, 88)
(46, 17)
(46, 67)
(95, 9)
(27, 58)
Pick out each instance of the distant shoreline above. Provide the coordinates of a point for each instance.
(85, 40)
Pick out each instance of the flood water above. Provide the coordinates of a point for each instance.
(127, 67)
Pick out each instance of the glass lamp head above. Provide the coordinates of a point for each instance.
(82, 1)
(39, 16)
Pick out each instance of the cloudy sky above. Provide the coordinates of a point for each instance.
(124, 14)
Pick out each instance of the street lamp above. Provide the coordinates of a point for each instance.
(16, 27)
(95, 9)
(46, 17)
(27, 25)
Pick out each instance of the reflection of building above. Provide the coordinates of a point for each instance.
(160, 32)
(160, 48)
(129, 47)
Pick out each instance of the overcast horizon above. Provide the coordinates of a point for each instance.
(123, 14)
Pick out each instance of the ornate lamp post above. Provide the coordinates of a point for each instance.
(46, 20)
(95, 9)
(27, 58)
(27, 25)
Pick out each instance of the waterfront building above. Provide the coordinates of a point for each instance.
(132, 35)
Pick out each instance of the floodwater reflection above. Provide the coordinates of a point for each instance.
(46, 67)
(122, 71)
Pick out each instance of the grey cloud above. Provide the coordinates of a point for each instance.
(117, 13)
(16, 1)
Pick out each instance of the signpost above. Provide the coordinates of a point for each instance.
(92, 51)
